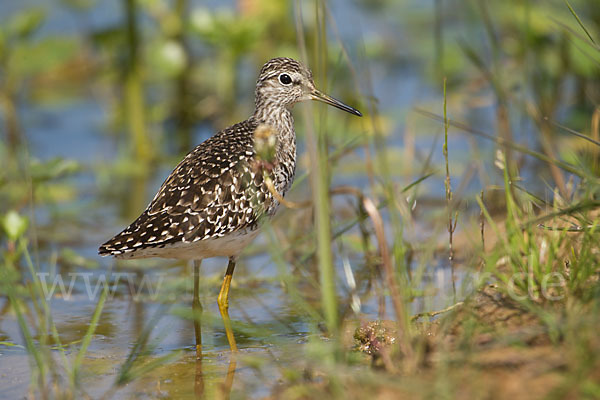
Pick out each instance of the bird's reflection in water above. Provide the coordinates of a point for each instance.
(199, 388)
(199, 379)
(228, 383)
(224, 387)
(197, 314)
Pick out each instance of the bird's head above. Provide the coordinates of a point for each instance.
(282, 82)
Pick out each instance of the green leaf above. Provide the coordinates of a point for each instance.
(26, 23)
(167, 57)
(53, 169)
(14, 225)
(70, 257)
(79, 5)
(11, 344)
(43, 55)
(2, 44)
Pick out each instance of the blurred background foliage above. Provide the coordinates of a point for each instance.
(100, 98)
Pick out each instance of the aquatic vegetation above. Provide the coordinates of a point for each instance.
(482, 123)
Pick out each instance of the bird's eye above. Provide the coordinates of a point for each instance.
(285, 79)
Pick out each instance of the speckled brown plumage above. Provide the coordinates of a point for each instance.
(213, 201)
(213, 192)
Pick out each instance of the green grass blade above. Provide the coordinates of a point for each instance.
(579, 22)
(87, 338)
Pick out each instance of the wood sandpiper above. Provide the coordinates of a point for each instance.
(212, 203)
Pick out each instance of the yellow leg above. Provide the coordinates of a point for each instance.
(197, 309)
(223, 302)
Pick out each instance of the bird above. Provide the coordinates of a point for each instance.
(213, 202)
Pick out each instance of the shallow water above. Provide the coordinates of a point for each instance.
(272, 333)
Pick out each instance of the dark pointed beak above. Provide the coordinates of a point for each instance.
(320, 96)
